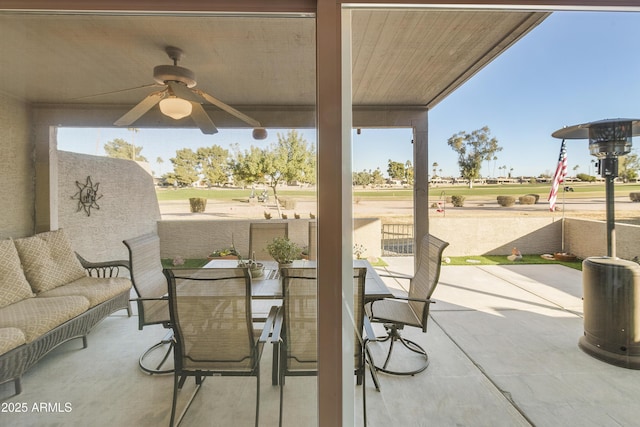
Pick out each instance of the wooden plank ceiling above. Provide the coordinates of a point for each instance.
(400, 58)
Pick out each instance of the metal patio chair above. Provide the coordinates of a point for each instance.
(413, 310)
(261, 234)
(150, 285)
(295, 329)
(212, 320)
(313, 240)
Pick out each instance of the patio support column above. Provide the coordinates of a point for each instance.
(46, 178)
(335, 405)
(421, 182)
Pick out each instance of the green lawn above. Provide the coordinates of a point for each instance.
(502, 260)
(580, 190)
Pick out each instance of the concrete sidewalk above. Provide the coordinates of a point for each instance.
(512, 332)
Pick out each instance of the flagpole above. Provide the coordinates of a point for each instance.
(558, 178)
(564, 191)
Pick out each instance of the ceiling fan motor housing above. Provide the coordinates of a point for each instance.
(175, 73)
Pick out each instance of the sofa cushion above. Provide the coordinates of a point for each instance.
(37, 316)
(13, 285)
(11, 338)
(48, 260)
(96, 289)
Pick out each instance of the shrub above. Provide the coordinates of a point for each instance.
(527, 200)
(198, 204)
(634, 196)
(535, 196)
(585, 177)
(287, 203)
(506, 200)
(458, 201)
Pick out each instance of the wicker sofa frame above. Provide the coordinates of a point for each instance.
(15, 362)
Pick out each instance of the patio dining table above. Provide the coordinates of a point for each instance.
(269, 285)
(267, 290)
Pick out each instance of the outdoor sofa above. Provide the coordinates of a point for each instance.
(49, 295)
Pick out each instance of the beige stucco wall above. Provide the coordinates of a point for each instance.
(586, 238)
(197, 239)
(497, 236)
(16, 170)
(128, 204)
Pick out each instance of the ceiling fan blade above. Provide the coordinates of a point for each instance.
(142, 107)
(113, 92)
(202, 119)
(252, 122)
(182, 91)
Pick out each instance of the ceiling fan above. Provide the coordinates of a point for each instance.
(179, 98)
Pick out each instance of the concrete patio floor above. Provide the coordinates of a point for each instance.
(503, 351)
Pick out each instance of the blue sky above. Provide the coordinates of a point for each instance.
(575, 67)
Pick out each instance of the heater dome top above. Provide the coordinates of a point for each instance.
(582, 131)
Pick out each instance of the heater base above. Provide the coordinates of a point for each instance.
(611, 303)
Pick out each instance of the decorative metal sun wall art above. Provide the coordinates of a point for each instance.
(87, 196)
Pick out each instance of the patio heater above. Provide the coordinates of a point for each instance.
(611, 286)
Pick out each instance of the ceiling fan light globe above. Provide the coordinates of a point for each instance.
(259, 133)
(176, 108)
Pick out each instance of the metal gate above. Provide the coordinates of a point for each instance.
(397, 239)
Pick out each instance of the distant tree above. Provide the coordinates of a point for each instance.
(628, 166)
(247, 166)
(159, 161)
(120, 149)
(292, 158)
(362, 178)
(185, 167)
(408, 172)
(395, 170)
(472, 149)
(493, 158)
(376, 177)
(435, 168)
(213, 164)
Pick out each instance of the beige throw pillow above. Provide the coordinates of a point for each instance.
(48, 260)
(13, 285)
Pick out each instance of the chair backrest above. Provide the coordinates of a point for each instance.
(212, 320)
(313, 240)
(147, 278)
(261, 234)
(427, 275)
(301, 317)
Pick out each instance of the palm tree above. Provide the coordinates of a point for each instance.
(159, 161)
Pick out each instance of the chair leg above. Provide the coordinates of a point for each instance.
(372, 368)
(258, 395)
(364, 393)
(275, 364)
(178, 383)
(175, 400)
(393, 334)
(281, 381)
(167, 340)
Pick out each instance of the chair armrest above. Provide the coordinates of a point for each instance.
(277, 326)
(397, 276)
(404, 299)
(369, 334)
(427, 300)
(163, 298)
(103, 268)
(268, 324)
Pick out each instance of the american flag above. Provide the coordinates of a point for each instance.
(558, 178)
